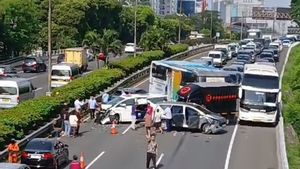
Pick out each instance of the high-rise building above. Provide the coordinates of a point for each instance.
(164, 7)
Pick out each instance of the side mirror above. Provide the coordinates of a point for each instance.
(240, 93)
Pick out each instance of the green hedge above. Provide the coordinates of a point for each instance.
(291, 103)
(132, 64)
(31, 114)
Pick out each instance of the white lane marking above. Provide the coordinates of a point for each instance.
(101, 154)
(37, 89)
(174, 134)
(126, 129)
(230, 146)
(31, 78)
(139, 84)
(20, 72)
(159, 159)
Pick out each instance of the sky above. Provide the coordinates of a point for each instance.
(277, 3)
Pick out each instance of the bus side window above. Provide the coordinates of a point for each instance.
(159, 72)
(187, 78)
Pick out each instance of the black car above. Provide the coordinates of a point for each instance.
(265, 55)
(7, 71)
(45, 153)
(34, 64)
(275, 53)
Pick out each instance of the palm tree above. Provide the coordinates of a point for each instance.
(107, 42)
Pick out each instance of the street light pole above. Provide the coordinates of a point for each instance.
(179, 27)
(49, 46)
(135, 17)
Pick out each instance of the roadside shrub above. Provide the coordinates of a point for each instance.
(88, 85)
(132, 64)
(176, 48)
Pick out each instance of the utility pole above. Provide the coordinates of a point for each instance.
(49, 45)
(211, 21)
(135, 17)
(179, 28)
(274, 20)
(242, 24)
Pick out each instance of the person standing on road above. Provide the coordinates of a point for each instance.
(13, 151)
(73, 120)
(157, 121)
(133, 115)
(67, 126)
(168, 116)
(75, 164)
(92, 103)
(79, 117)
(78, 104)
(151, 151)
(149, 119)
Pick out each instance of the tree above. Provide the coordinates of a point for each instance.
(295, 13)
(185, 22)
(206, 32)
(21, 26)
(203, 21)
(107, 42)
(155, 38)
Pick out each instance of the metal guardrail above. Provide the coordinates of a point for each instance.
(132, 79)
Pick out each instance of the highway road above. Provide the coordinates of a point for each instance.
(243, 147)
(40, 80)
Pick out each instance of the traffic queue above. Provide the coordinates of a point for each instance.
(194, 94)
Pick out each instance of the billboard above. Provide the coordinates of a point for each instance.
(264, 13)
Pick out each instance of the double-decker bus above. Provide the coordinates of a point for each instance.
(260, 94)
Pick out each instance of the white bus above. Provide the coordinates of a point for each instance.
(168, 77)
(259, 94)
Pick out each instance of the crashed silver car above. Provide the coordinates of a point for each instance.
(193, 116)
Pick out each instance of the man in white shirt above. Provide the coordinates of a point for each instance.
(92, 106)
(78, 104)
(168, 116)
(105, 98)
(73, 120)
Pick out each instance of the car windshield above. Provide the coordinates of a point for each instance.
(232, 48)
(39, 145)
(286, 41)
(273, 46)
(115, 100)
(60, 73)
(215, 56)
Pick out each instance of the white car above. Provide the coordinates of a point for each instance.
(286, 43)
(129, 48)
(219, 58)
(119, 108)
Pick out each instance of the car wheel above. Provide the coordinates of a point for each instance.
(205, 128)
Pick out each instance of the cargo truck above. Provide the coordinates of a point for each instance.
(77, 56)
(220, 97)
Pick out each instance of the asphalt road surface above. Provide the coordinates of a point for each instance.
(40, 80)
(254, 147)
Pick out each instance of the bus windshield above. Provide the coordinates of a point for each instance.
(261, 81)
(259, 98)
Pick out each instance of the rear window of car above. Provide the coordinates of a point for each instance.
(29, 60)
(39, 145)
(8, 91)
(60, 73)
